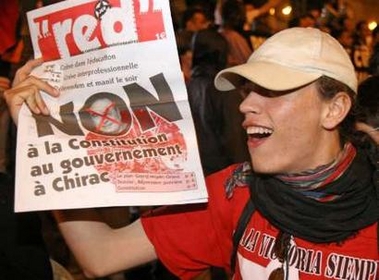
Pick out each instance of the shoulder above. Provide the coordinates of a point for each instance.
(220, 177)
(228, 191)
(230, 178)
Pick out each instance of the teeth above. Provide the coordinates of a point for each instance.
(258, 130)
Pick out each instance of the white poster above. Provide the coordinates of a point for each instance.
(121, 132)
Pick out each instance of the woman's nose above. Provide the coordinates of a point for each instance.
(250, 104)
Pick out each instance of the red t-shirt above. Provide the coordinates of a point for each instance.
(190, 238)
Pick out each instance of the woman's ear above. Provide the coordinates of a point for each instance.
(335, 110)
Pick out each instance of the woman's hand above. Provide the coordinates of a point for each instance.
(26, 88)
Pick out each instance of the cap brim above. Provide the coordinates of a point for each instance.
(268, 75)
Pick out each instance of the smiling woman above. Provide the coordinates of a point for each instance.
(267, 123)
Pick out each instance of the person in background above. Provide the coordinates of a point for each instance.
(345, 38)
(361, 51)
(193, 20)
(373, 68)
(367, 112)
(367, 121)
(212, 110)
(233, 19)
(348, 24)
(305, 201)
(306, 20)
(333, 12)
(257, 12)
(313, 8)
(177, 9)
(4, 122)
(264, 8)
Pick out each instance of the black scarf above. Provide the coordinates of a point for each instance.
(355, 207)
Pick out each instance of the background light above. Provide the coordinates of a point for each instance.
(287, 10)
(372, 25)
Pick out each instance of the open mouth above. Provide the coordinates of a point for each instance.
(259, 132)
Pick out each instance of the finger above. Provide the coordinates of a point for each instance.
(41, 105)
(40, 84)
(28, 91)
(15, 98)
(31, 95)
(27, 94)
(43, 86)
(24, 71)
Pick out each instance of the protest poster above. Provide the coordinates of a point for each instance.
(121, 132)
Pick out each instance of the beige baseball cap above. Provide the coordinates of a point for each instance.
(290, 59)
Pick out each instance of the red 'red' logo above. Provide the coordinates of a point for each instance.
(96, 25)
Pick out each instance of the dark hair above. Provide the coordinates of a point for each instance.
(328, 88)
(233, 14)
(295, 22)
(189, 13)
(367, 111)
(209, 48)
(367, 105)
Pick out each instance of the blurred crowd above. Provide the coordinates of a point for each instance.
(255, 20)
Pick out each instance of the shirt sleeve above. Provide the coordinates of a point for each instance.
(190, 238)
